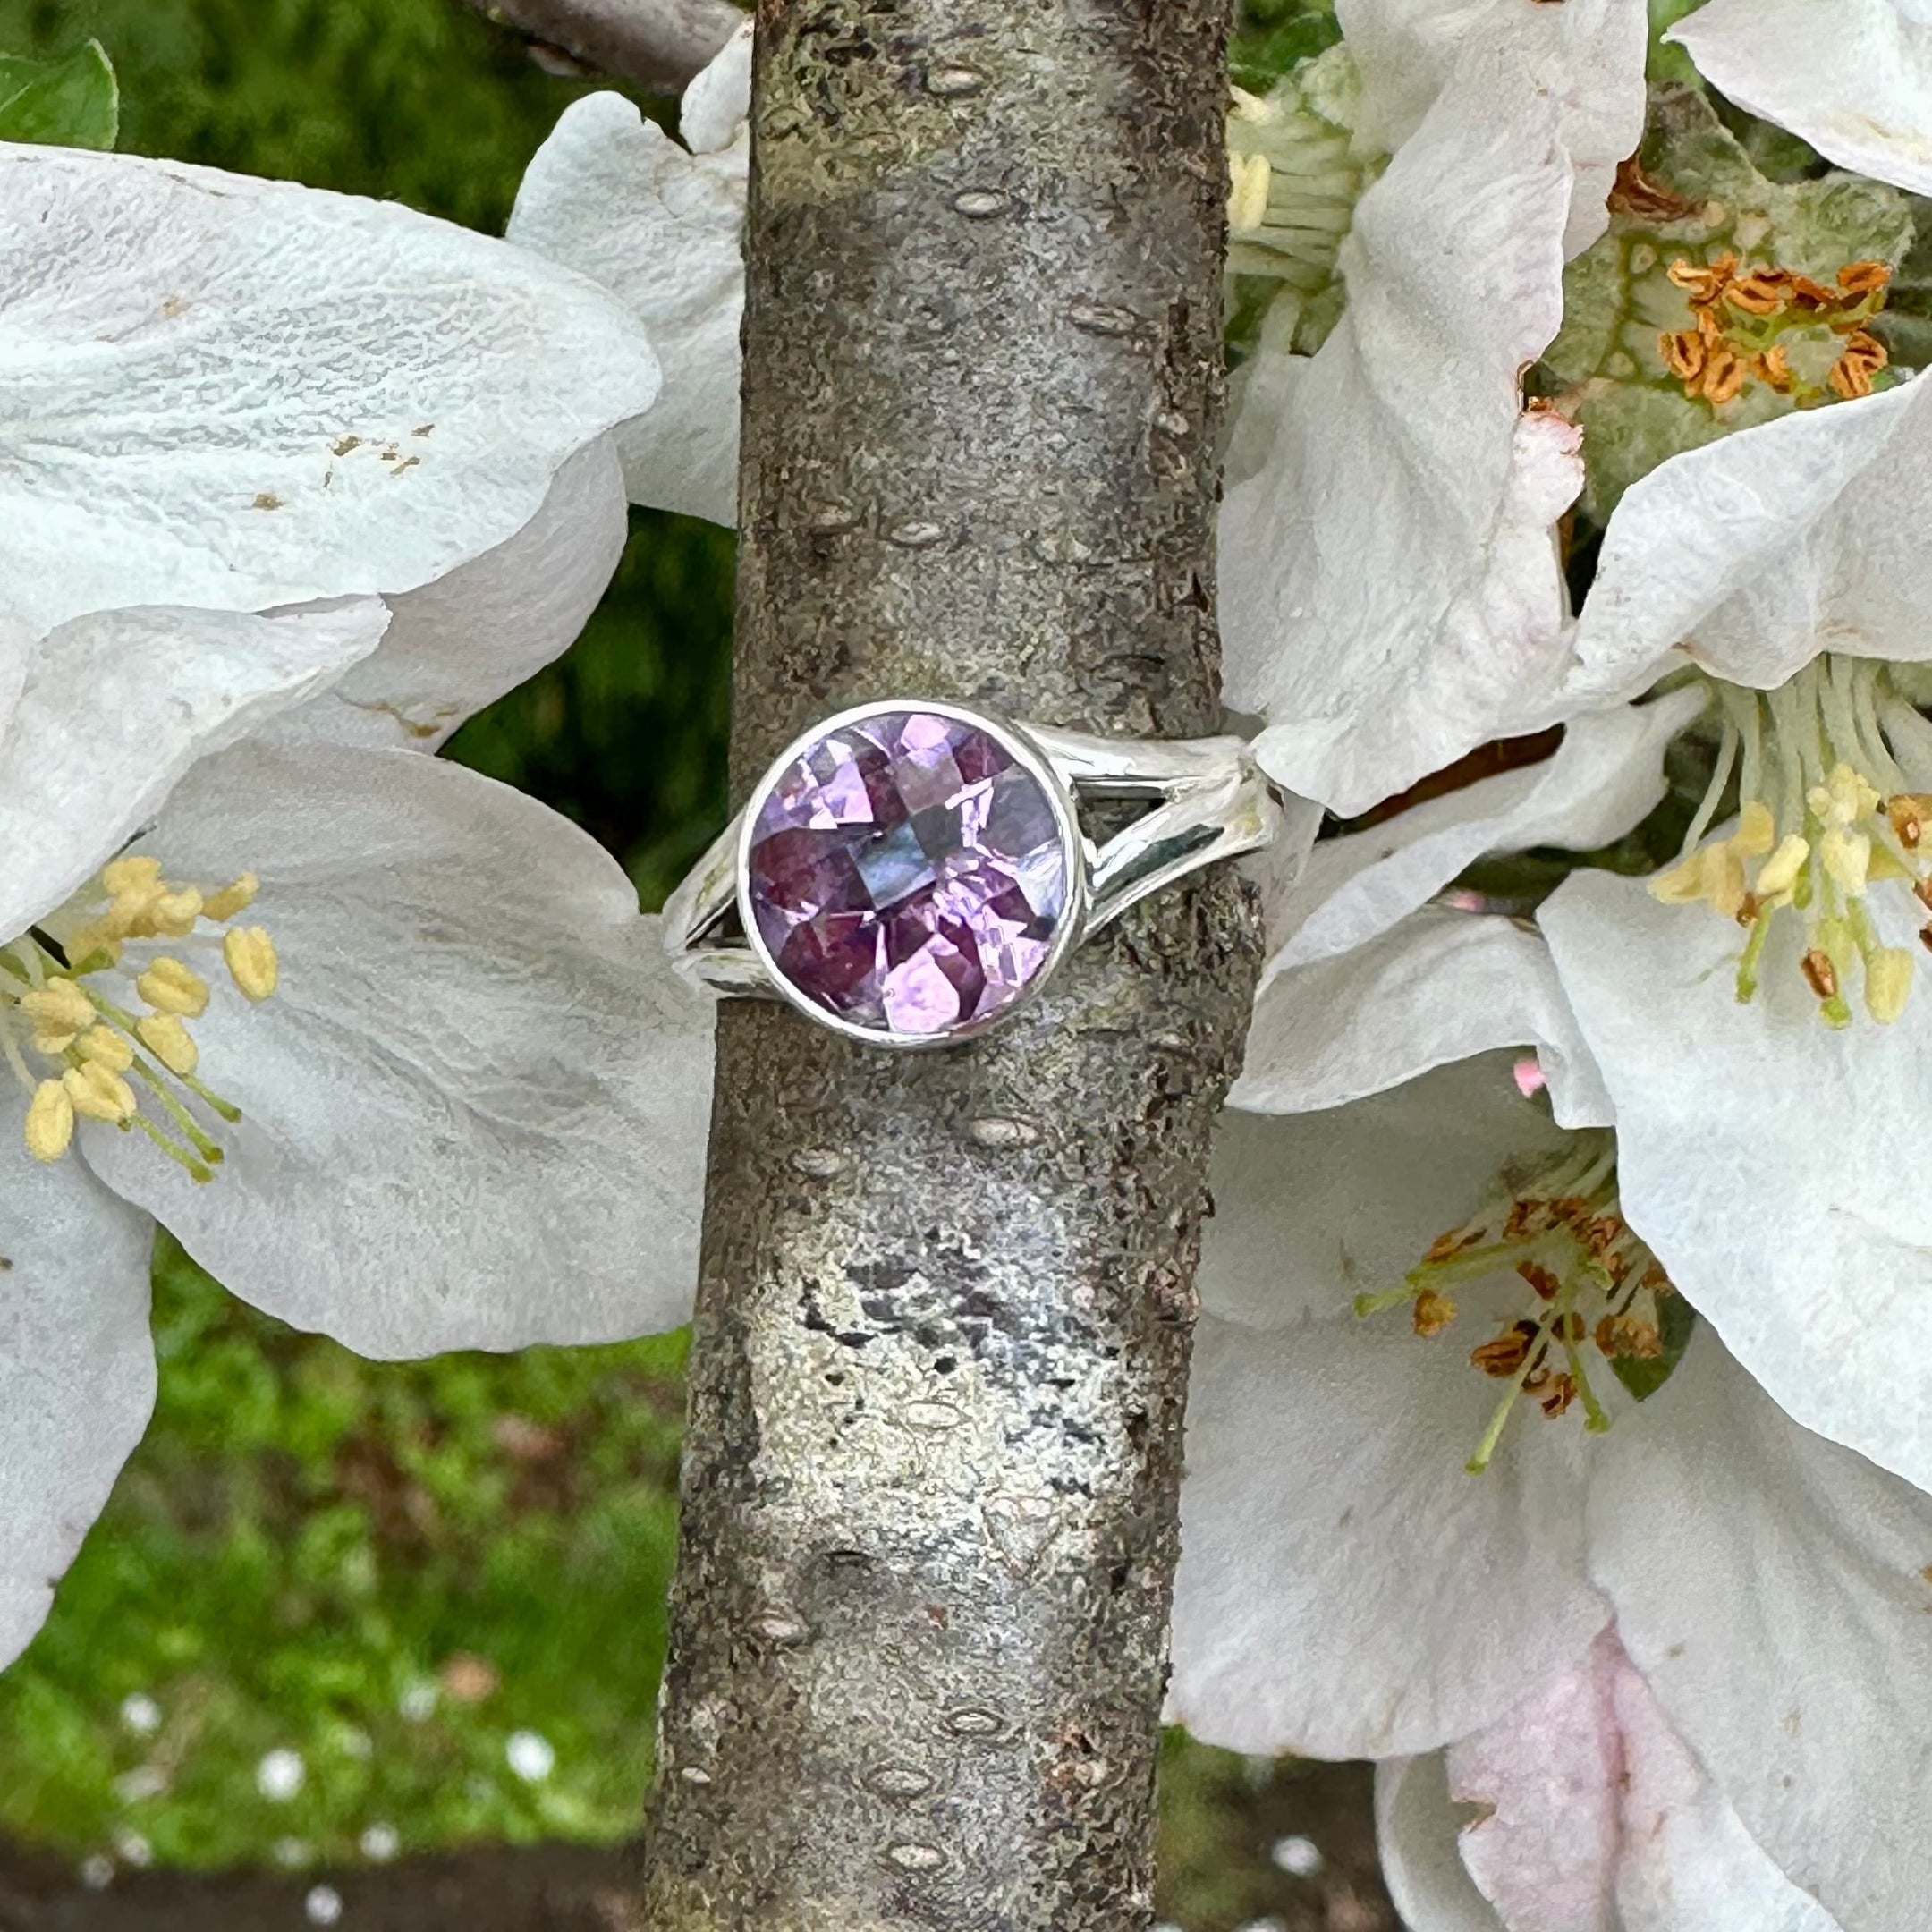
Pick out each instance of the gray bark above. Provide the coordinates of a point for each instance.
(946, 1300)
(656, 45)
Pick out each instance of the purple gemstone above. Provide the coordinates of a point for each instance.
(908, 873)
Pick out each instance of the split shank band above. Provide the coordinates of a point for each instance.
(911, 873)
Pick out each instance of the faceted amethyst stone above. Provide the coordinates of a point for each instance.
(908, 874)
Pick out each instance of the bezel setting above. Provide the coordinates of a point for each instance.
(1076, 849)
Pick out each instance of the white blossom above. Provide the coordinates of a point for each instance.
(612, 195)
(386, 1045)
(1347, 1589)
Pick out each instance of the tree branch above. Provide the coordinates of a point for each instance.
(930, 1478)
(656, 45)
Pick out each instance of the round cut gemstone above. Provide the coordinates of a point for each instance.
(908, 873)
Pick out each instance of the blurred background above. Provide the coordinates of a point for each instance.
(341, 1615)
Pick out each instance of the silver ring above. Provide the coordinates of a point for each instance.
(911, 873)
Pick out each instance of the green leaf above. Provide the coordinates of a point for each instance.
(1257, 61)
(1676, 1324)
(71, 103)
(1272, 37)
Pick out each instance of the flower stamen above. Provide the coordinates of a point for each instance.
(1823, 820)
(1748, 326)
(114, 1063)
(1558, 1231)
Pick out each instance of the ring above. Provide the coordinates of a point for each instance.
(911, 873)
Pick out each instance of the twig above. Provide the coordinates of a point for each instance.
(656, 45)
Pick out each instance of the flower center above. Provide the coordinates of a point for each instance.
(1719, 298)
(1772, 325)
(1823, 817)
(1591, 1283)
(101, 997)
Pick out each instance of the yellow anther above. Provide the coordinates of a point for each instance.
(1889, 980)
(233, 899)
(1756, 831)
(251, 960)
(1846, 856)
(128, 877)
(58, 1011)
(1779, 873)
(1248, 194)
(1682, 885)
(49, 1122)
(104, 1044)
(168, 1040)
(174, 913)
(1844, 799)
(169, 986)
(99, 1093)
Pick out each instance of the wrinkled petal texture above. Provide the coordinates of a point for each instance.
(462, 642)
(1852, 77)
(612, 195)
(237, 393)
(1440, 987)
(1759, 551)
(116, 707)
(1771, 1587)
(1767, 1160)
(1345, 1590)
(77, 1373)
(474, 1111)
(1586, 55)
(1390, 584)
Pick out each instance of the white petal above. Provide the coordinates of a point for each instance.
(1312, 1210)
(1854, 77)
(1416, 1827)
(191, 354)
(1769, 1162)
(474, 1111)
(1605, 776)
(716, 108)
(1391, 593)
(1542, 1846)
(1762, 549)
(1345, 1588)
(612, 195)
(1591, 1814)
(1771, 1587)
(1441, 987)
(462, 642)
(1340, 1589)
(1689, 1865)
(77, 1373)
(117, 706)
(1587, 56)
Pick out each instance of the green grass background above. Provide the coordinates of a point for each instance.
(393, 1570)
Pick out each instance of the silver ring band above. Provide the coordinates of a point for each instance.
(935, 845)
